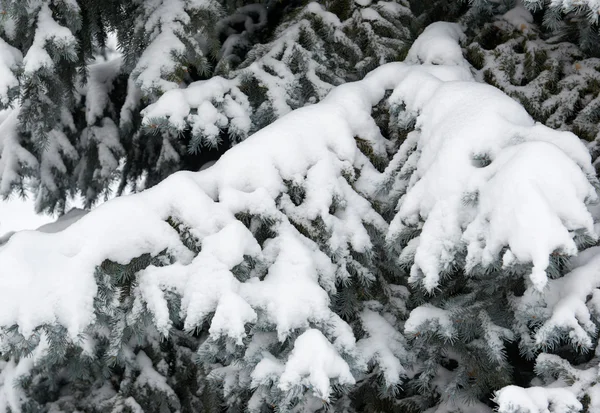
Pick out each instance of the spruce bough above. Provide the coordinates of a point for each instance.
(320, 265)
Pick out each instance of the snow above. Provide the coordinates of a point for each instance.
(457, 405)
(234, 39)
(176, 105)
(555, 192)
(438, 44)
(531, 198)
(385, 345)
(513, 399)
(10, 58)
(519, 17)
(453, 118)
(270, 67)
(98, 87)
(319, 10)
(60, 285)
(427, 313)
(150, 377)
(71, 303)
(163, 22)
(63, 221)
(313, 363)
(18, 214)
(48, 31)
(13, 156)
(568, 306)
(11, 393)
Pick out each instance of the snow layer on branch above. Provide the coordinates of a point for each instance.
(314, 146)
(176, 105)
(309, 55)
(384, 345)
(591, 7)
(514, 399)
(13, 157)
(99, 84)
(437, 317)
(10, 59)
(164, 23)
(439, 44)
(570, 304)
(313, 362)
(235, 39)
(460, 123)
(519, 17)
(48, 32)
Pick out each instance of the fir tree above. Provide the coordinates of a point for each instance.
(83, 121)
(321, 265)
(393, 237)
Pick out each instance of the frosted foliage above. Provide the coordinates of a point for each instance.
(176, 106)
(513, 399)
(308, 57)
(10, 58)
(452, 120)
(313, 362)
(53, 61)
(314, 147)
(251, 252)
(13, 156)
(48, 32)
(523, 65)
(591, 7)
(164, 24)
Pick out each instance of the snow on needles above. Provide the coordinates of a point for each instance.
(511, 203)
(458, 121)
(10, 58)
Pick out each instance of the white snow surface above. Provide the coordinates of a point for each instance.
(164, 21)
(316, 146)
(10, 58)
(514, 399)
(458, 121)
(519, 17)
(313, 362)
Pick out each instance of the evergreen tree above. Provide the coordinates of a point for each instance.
(326, 264)
(79, 121)
(394, 237)
(479, 244)
(555, 81)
